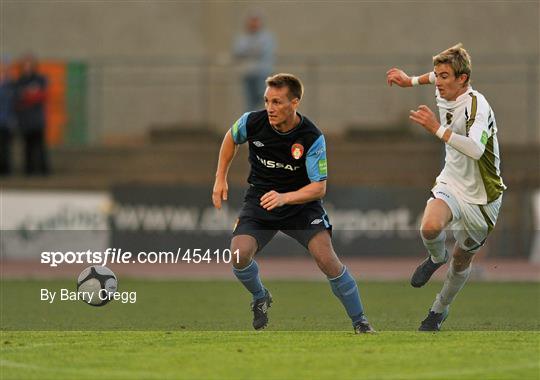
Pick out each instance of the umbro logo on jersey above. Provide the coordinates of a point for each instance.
(258, 144)
(317, 221)
(443, 194)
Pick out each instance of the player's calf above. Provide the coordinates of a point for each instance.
(461, 260)
(345, 289)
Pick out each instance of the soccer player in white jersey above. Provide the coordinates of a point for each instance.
(468, 192)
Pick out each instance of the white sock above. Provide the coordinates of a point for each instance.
(452, 285)
(436, 247)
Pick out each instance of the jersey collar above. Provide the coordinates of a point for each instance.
(292, 130)
(451, 104)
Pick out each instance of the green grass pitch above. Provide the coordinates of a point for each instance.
(202, 330)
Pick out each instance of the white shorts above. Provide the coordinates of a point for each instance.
(471, 224)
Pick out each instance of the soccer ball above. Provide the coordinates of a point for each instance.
(96, 285)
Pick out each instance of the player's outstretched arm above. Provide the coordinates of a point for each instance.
(226, 155)
(308, 193)
(400, 78)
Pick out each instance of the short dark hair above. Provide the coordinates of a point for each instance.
(295, 86)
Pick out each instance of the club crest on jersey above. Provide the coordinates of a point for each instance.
(297, 150)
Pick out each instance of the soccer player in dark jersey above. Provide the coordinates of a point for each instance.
(287, 154)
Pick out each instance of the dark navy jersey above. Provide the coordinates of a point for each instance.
(281, 161)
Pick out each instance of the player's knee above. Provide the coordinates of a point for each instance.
(243, 259)
(323, 252)
(330, 266)
(431, 228)
(461, 261)
(246, 247)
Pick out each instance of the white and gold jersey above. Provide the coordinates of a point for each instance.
(476, 181)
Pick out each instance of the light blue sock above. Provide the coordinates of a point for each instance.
(249, 276)
(344, 287)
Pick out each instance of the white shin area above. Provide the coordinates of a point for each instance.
(436, 247)
(451, 287)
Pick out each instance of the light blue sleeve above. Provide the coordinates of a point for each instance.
(239, 129)
(316, 161)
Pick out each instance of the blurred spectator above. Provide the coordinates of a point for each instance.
(31, 95)
(7, 118)
(254, 50)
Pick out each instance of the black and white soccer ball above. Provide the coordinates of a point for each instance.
(96, 285)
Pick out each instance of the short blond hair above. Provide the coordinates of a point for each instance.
(295, 86)
(458, 58)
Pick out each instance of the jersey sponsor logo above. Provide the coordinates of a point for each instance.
(323, 167)
(258, 144)
(484, 138)
(297, 150)
(317, 221)
(277, 165)
(235, 129)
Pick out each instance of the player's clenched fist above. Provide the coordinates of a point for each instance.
(272, 199)
(397, 76)
(219, 193)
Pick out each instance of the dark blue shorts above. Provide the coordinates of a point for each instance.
(302, 225)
